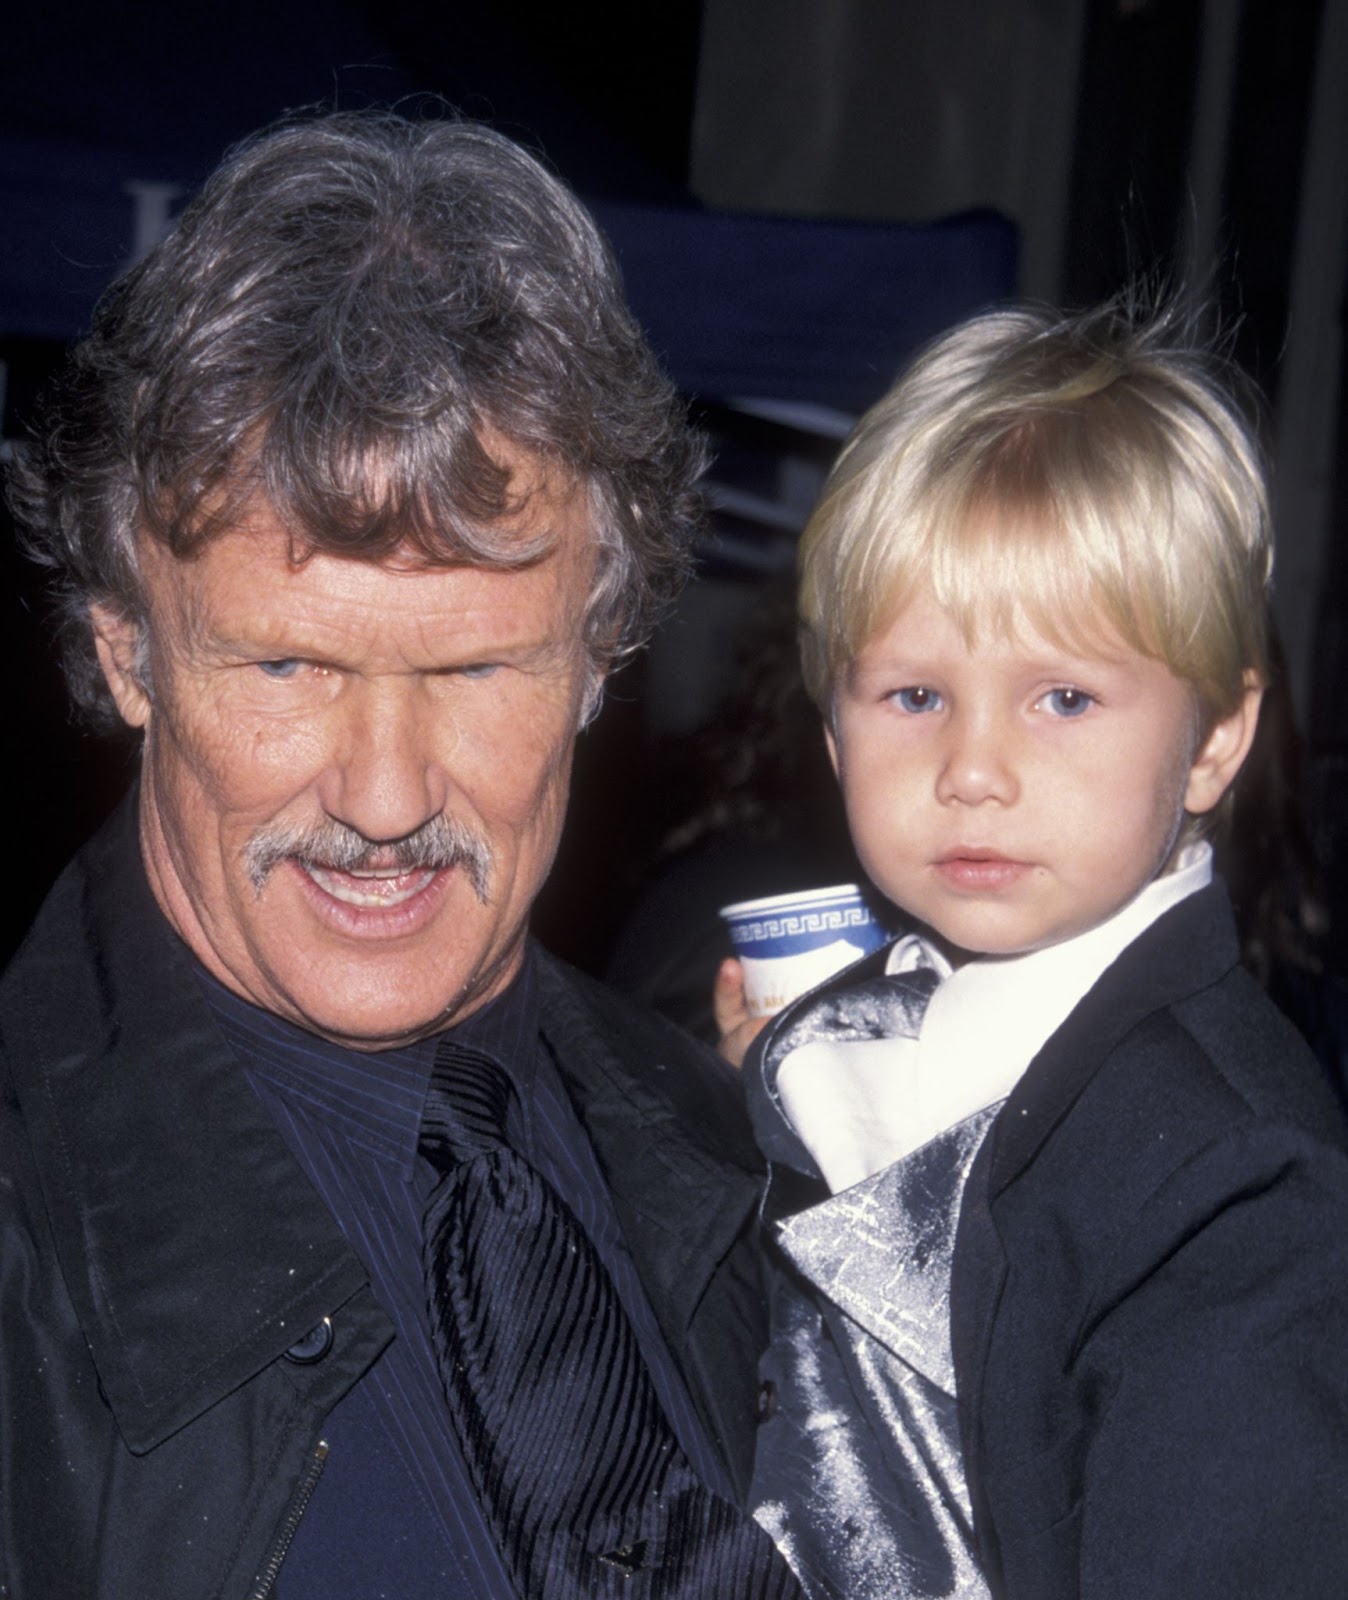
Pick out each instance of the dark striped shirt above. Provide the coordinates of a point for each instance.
(395, 1513)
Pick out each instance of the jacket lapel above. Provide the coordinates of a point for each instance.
(1190, 947)
(882, 1250)
(193, 1249)
(685, 1180)
(976, 1286)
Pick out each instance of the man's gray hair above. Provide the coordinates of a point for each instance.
(341, 321)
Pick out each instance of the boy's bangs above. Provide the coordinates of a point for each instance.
(997, 562)
(1082, 479)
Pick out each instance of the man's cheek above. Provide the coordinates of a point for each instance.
(254, 764)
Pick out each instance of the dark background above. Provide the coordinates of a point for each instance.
(772, 173)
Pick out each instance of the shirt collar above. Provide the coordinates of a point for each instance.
(857, 1106)
(375, 1098)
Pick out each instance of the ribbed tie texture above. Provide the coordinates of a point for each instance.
(586, 1488)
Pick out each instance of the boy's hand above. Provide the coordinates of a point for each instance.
(737, 1028)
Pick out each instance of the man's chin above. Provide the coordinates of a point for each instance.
(372, 998)
(368, 1027)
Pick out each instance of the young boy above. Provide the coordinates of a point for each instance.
(1058, 1209)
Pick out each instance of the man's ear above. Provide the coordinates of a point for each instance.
(1223, 751)
(118, 641)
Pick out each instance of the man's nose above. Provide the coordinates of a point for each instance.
(979, 763)
(385, 774)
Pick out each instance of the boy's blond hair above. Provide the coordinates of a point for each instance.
(1061, 469)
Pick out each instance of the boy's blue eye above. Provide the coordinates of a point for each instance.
(917, 698)
(285, 668)
(1068, 702)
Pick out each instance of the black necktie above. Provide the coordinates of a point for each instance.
(577, 1468)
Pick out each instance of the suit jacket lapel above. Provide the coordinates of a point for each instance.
(193, 1248)
(685, 1182)
(881, 1251)
(1190, 947)
(976, 1285)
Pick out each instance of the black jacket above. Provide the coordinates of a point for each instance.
(1150, 1294)
(162, 1258)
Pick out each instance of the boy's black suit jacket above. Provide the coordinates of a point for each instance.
(1150, 1298)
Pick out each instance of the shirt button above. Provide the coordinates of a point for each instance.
(313, 1346)
(767, 1400)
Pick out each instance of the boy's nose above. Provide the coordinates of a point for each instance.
(978, 767)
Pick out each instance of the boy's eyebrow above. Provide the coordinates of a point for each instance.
(1045, 656)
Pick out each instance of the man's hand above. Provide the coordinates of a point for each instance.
(736, 1027)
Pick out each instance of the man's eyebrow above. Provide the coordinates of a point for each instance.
(234, 642)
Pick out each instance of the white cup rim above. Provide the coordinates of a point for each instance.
(802, 900)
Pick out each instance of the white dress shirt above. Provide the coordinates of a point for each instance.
(859, 1106)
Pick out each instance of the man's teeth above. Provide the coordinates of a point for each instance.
(384, 886)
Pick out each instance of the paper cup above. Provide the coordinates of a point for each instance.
(787, 943)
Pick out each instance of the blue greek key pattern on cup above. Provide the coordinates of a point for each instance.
(789, 927)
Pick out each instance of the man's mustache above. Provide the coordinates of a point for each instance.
(437, 845)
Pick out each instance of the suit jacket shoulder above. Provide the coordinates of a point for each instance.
(1150, 1301)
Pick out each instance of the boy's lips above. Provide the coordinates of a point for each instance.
(978, 867)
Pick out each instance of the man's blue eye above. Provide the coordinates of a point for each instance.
(286, 668)
(918, 698)
(1068, 702)
(482, 669)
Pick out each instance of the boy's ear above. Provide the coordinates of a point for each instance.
(117, 639)
(1223, 751)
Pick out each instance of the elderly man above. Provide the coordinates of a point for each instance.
(351, 1246)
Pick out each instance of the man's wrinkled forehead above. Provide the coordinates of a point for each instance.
(541, 506)
(477, 498)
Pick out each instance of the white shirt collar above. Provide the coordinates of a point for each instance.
(858, 1106)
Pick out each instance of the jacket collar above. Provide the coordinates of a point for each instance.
(667, 1122)
(1189, 948)
(685, 1176)
(194, 1250)
(843, 1007)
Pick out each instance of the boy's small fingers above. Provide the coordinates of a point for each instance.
(730, 973)
(728, 996)
(734, 1043)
